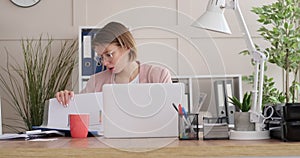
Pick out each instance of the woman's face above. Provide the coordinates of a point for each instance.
(113, 57)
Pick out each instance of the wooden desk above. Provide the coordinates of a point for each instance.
(137, 148)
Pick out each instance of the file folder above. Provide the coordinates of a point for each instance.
(223, 90)
(90, 64)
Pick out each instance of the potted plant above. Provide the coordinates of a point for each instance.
(280, 27)
(242, 116)
(30, 84)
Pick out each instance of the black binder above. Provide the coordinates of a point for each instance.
(285, 122)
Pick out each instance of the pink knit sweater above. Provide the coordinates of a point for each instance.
(148, 74)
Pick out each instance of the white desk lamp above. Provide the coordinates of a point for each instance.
(214, 19)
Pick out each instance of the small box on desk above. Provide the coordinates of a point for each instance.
(215, 128)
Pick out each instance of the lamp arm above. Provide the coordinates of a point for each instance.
(259, 59)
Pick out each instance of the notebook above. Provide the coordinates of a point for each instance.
(56, 115)
(141, 110)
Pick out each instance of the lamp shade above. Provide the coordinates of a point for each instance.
(213, 19)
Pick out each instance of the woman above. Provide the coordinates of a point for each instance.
(115, 46)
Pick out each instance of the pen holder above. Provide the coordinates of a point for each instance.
(188, 127)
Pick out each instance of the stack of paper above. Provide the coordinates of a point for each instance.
(32, 135)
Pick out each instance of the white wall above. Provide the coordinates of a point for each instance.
(0, 117)
(161, 27)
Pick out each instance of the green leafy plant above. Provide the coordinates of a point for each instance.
(280, 28)
(245, 105)
(271, 95)
(30, 84)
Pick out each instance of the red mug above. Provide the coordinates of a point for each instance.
(79, 124)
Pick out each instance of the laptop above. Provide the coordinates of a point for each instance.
(141, 110)
(56, 115)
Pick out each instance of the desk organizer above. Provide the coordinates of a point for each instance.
(188, 127)
(215, 128)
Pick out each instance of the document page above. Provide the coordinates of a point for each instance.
(58, 115)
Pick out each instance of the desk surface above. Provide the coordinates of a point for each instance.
(158, 147)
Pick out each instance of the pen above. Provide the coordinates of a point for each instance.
(180, 109)
(189, 123)
(175, 107)
(184, 116)
(184, 112)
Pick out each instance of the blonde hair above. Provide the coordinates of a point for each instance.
(118, 34)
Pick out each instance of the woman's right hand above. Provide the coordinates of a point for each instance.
(64, 97)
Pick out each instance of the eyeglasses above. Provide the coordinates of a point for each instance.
(106, 57)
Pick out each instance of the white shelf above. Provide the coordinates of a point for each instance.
(204, 83)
